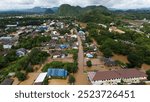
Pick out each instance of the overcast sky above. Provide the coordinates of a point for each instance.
(118, 4)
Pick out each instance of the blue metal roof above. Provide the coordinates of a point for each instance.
(55, 72)
(63, 46)
(89, 55)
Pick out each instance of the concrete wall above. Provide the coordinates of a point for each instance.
(116, 81)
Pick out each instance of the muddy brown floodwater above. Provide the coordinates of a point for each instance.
(145, 67)
(58, 82)
(120, 58)
(81, 77)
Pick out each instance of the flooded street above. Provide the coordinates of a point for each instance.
(81, 77)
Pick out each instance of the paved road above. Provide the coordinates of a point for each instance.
(81, 77)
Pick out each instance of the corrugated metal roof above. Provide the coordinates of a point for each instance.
(55, 72)
(41, 77)
(125, 73)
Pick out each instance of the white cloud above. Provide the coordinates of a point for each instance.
(119, 4)
(129, 4)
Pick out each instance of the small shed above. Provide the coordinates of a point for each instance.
(7, 82)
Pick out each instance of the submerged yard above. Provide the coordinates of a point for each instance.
(120, 58)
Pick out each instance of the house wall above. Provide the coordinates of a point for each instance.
(116, 81)
(39, 83)
(134, 80)
(106, 82)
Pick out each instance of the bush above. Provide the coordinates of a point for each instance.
(148, 73)
(29, 69)
(54, 64)
(1, 47)
(89, 63)
(21, 76)
(45, 81)
(107, 52)
(71, 79)
(37, 56)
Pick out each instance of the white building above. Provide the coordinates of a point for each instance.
(40, 79)
(7, 46)
(128, 76)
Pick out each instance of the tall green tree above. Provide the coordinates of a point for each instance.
(21, 76)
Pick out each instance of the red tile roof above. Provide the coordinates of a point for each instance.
(125, 73)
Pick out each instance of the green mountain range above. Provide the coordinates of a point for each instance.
(87, 14)
(68, 10)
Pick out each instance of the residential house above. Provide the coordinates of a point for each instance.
(52, 44)
(7, 46)
(75, 45)
(42, 28)
(102, 25)
(55, 37)
(21, 52)
(58, 54)
(7, 42)
(11, 26)
(64, 46)
(55, 33)
(81, 33)
(89, 55)
(74, 36)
